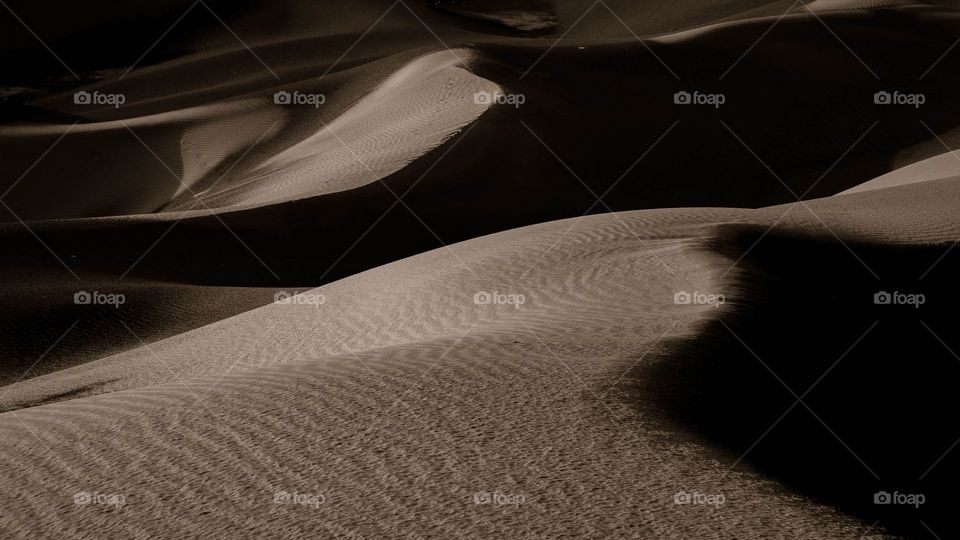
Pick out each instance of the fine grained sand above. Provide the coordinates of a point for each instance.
(393, 399)
(422, 400)
(410, 113)
(399, 398)
(942, 166)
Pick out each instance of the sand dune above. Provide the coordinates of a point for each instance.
(591, 299)
(461, 175)
(409, 114)
(536, 16)
(216, 130)
(378, 298)
(599, 299)
(840, 5)
(943, 166)
(247, 151)
(56, 333)
(370, 309)
(169, 152)
(193, 154)
(475, 382)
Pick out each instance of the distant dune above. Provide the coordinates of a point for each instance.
(525, 16)
(407, 115)
(943, 166)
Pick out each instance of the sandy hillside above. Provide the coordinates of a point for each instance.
(491, 399)
(534, 294)
(238, 148)
(455, 394)
(943, 166)
(150, 180)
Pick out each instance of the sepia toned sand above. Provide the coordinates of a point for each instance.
(388, 393)
(400, 398)
(491, 398)
(943, 166)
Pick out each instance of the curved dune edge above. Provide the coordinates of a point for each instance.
(367, 311)
(199, 148)
(412, 112)
(481, 390)
(399, 369)
(814, 325)
(395, 401)
(819, 8)
(187, 159)
(374, 309)
(132, 166)
(945, 165)
(537, 16)
(842, 5)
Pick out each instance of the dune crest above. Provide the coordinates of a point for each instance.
(524, 16)
(413, 111)
(485, 383)
(600, 316)
(374, 269)
(943, 166)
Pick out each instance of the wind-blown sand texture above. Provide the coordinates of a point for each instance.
(388, 392)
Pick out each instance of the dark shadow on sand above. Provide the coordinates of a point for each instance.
(878, 382)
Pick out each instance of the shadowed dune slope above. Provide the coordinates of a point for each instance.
(454, 394)
(706, 158)
(460, 175)
(425, 297)
(877, 380)
(538, 16)
(528, 320)
(407, 115)
(45, 330)
(400, 370)
(290, 36)
(138, 165)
